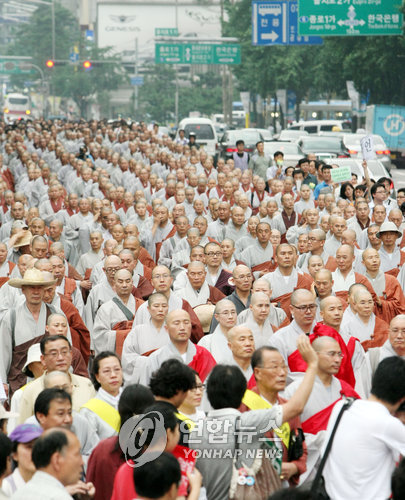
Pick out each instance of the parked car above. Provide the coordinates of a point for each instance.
(227, 144)
(352, 142)
(319, 145)
(316, 126)
(292, 152)
(291, 135)
(266, 134)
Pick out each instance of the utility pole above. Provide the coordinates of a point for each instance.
(176, 94)
(136, 75)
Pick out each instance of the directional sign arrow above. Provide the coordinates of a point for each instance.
(270, 36)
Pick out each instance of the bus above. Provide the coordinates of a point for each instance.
(16, 107)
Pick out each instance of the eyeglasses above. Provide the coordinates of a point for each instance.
(227, 313)
(308, 307)
(112, 269)
(198, 387)
(312, 239)
(333, 354)
(54, 353)
(214, 254)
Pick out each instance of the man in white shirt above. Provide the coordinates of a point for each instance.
(56, 456)
(369, 439)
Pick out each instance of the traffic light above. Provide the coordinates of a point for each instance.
(87, 65)
(50, 63)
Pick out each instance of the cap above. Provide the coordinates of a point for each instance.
(388, 227)
(19, 224)
(33, 354)
(25, 433)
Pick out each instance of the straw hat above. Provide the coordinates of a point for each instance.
(205, 313)
(24, 240)
(388, 227)
(32, 277)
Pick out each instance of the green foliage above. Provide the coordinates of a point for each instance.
(157, 95)
(35, 40)
(375, 64)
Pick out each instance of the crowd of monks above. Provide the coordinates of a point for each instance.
(117, 239)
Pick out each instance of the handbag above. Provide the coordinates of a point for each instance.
(318, 490)
(295, 446)
(256, 482)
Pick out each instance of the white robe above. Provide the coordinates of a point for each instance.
(276, 316)
(255, 254)
(279, 284)
(321, 397)
(142, 315)
(217, 344)
(98, 295)
(194, 297)
(103, 336)
(141, 339)
(155, 360)
(261, 334)
(26, 328)
(89, 260)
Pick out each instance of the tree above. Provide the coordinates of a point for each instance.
(35, 40)
(375, 64)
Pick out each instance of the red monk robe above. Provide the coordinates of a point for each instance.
(380, 335)
(202, 362)
(331, 264)
(304, 281)
(215, 295)
(146, 259)
(297, 364)
(4, 279)
(359, 278)
(159, 245)
(319, 421)
(78, 330)
(395, 271)
(392, 300)
(143, 290)
(123, 328)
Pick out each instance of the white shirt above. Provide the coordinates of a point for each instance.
(367, 444)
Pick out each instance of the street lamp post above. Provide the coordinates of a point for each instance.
(50, 4)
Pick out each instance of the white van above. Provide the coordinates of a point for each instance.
(16, 107)
(204, 130)
(316, 126)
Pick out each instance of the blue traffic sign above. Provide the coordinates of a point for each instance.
(74, 57)
(293, 37)
(276, 23)
(137, 81)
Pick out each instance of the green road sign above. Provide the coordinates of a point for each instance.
(349, 17)
(197, 53)
(8, 67)
(166, 32)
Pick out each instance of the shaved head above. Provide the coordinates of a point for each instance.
(325, 343)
